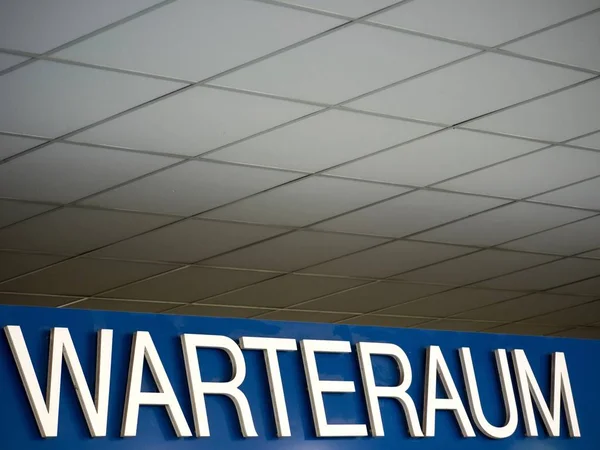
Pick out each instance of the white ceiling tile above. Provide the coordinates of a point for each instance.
(410, 213)
(526, 329)
(189, 241)
(557, 117)
(576, 316)
(469, 89)
(567, 240)
(547, 276)
(11, 145)
(305, 316)
(123, 306)
(454, 151)
(294, 251)
(64, 172)
(48, 301)
(486, 22)
(191, 188)
(503, 224)
(189, 284)
(219, 311)
(322, 141)
(384, 321)
(452, 302)
(456, 325)
(199, 120)
(592, 254)
(475, 267)
(389, 259)
(7, 60)
(11, 212)
(306, 201)
(591, 141)
(523, 307)
(530, 174)
(81, 276)
(586, 287)
(37, 27)
(15, 264)
(352, 8)
(574, 43)
(82, 95)
(372, 297)
(75, 230)
(580, 333)
(195, 40)
(350, 62)
(285, 291)
(582, 195)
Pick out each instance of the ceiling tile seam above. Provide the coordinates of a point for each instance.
(557, 333)
(92, 33)
(549, 62)
(22, 135)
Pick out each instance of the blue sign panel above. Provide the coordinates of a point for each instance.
(94, 380)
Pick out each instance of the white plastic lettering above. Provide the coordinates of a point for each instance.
(142, 350)
(561, 391)
(436, 365)
(94, 409)
(317, 387)
(231, 388)
(508, 394)
(373, 392)
(270, 347)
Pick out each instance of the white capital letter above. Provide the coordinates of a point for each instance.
(317, 387)
(561, 391)
(61, 346)
(436, 365)
(508, 394)
(231, 388)
(373, 392)
(143, 349)
(270, 347)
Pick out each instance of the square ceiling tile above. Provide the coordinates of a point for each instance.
(322, 141)
(557, 117)
(456, 325)
(574, 43)
(306, 201)
(578, 315)
(350, 62)
(454, 151)
(581, 195)
(64, 172)
(294, 251)
(11, 145)
(522, 177)
(410, 213)
(523, 307)
(123, 306)
(49, 301)
(591, 141)
(37, 91)
(74, 230)
(580, 333)
(373, 320)
(485, 22)
(37, 27)
(351, 8)
(587, 287)
(547, 276)
(191, 188)
(452, 302)
(199, 120)
(526, 329)
(389, 259)
(188, 285)
(189, 241)
(285, 291)
(11, 211)
(81, 276)
(475, 267)
(15, 264)
(567, 240)
(372, 297)
(219, 311)
(469, 89)
(195, 40)
(8, 60)
(503, 224)
(305, 316)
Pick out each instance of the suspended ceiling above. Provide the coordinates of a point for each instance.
(420, 163)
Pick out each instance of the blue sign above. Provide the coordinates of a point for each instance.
(94, 380)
